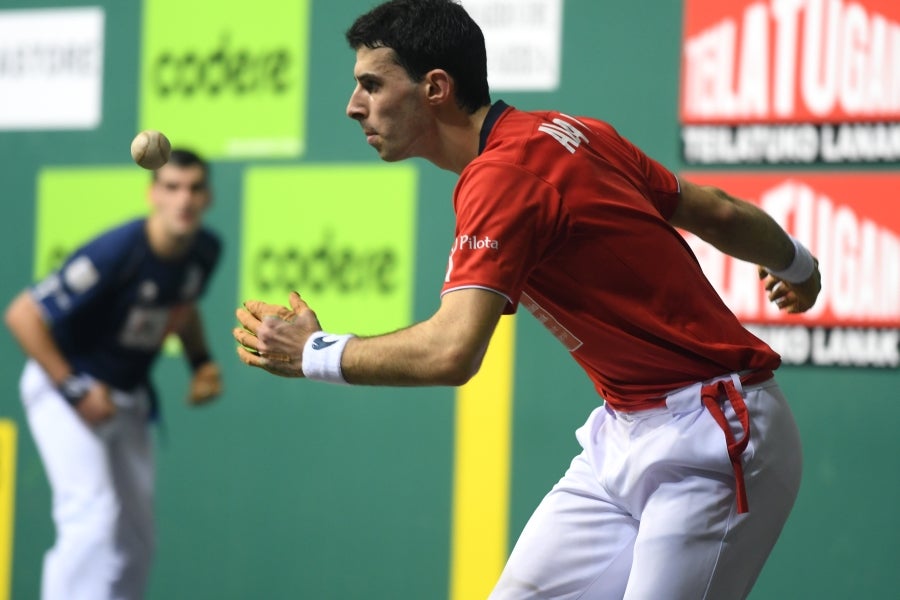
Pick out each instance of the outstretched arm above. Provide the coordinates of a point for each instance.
(745, 231)
(206, 381)
(446, 349)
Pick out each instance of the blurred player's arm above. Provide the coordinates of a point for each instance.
(446, 349)
(206, 380)
(745, 231)
(26, 322)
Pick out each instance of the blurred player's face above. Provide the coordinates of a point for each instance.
(389, 106)
(179, 197)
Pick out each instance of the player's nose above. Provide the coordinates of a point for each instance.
(355, 106)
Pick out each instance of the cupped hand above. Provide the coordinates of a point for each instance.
(792, 297)
(206, 384)
(271, 336)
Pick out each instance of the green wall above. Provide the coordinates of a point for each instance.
(291, 489)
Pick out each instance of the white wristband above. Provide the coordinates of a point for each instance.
(800, 268)
(322, 357)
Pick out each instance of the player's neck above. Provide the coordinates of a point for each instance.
(163, 243)
(459, 139)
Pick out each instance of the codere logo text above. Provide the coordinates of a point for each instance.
(223, 69)
(328, 266)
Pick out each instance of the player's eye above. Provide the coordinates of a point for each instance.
(369, 84)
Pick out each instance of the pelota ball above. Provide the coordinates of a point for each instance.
(151, 149)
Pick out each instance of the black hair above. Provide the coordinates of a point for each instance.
(181, 157)
(426, 35)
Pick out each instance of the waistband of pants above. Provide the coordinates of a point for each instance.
(685, 399)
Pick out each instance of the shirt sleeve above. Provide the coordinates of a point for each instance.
(665, 191)
(662, 185)
(507, 219)
(84, 276)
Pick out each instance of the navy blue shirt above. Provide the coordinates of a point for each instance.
(113, 302)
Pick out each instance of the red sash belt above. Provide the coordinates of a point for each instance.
(725, 389)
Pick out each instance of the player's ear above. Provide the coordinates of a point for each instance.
(438, 86)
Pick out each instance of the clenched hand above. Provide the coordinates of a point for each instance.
(97, 406)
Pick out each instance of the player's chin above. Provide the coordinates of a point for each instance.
(386, 152)
(186, 226)
(383, 153)
(388, 156)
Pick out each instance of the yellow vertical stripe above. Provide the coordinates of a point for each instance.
(481, 471)
(7, 503)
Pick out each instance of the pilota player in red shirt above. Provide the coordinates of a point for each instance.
(691, 465)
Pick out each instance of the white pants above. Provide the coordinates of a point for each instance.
(102, 481)
(648, 510)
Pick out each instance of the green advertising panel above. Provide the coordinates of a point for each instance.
(73, 205)
(233, 88)
(341, 235)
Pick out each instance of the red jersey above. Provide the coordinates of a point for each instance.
(569, 219)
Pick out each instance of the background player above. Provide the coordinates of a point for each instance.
(691, 466)
(92, 331)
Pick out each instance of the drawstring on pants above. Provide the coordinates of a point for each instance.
(725, 389)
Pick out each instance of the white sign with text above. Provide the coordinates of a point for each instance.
(51, 68)
(523, 39)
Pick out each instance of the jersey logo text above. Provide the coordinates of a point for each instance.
(473, 242)
(145, 327)
(565, 133)
(470, 242)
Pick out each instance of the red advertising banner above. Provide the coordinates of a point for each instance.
(851, 223)
(790, 81)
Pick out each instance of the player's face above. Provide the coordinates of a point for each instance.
(179, 197)
(389, 106)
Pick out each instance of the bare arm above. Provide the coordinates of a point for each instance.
(206, 382)
(747, 232)
(192, 336)
(446, 349)
(734, 226)
(24, 319)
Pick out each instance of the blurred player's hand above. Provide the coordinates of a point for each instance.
(205, 385)
(273, 336)
(97, 406)
(792, 297)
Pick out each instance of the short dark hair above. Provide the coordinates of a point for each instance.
(426, 35)
(182, 157)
